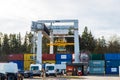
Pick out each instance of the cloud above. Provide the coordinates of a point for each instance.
(100, 16)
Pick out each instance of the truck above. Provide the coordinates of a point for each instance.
(61, 69)
(9, 71)
(50, 70)
(35, 70)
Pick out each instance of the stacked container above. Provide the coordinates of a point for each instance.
(112, 63)
(48, 58)
(97, 64)
(17, 58)
(63, 58)
(28, 59)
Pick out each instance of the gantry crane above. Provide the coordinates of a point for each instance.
(38, 27)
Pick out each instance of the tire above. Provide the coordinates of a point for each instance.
(55, 75)
(26, 75)
(47, 75)
(11, 77)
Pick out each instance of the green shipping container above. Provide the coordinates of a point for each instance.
(97, 70)
(94, 56)
(97, 63)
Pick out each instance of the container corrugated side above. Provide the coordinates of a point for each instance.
(27, 64)
(28, 56)
(69, 68)
(112, 70)
(94, 56)
(20, 64)
(96, 70)
(16, 57)
(64, 56)
(112, 56)
(113, 63)
(97, 63)
(48, 56)
(63, 61)
(49, 61)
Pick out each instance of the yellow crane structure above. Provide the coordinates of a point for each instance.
(60, 42)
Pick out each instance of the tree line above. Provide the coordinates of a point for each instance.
(14, 43)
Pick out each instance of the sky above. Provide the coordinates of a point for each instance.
(102, 17)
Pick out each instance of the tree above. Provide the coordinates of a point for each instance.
(101, 46)
(14, 44)
(25, 44)
(114, 44)
(30, 42)
(45, 48)
(5, 45)
(87, 41)
(1, 36)
(19, 43)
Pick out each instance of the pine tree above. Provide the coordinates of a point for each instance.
(5, 45)
(25, 44)
(87, 41)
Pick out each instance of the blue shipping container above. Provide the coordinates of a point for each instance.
(63, 56)
(63, 61)
(112, 70)
(20, 64)
(112, 56)
(114, 63)
(97, 63)
(96, 70)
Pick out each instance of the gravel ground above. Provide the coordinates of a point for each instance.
(81, 78)
(101, 78)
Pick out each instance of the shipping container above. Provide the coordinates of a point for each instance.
(96, 70)
(49, 61)
(97, 63)
(112, 70)
(20, 64)
(63, 56)
(16, 57)
(112, 56)
(29, 56)
(48, 56)
(113, 63)
(94, 56)
(63, 61)
(69, 68)
(27, 64)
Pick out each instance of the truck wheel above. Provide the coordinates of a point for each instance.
(11, 77)
(55, 75)
(26, 75)
(46, 75)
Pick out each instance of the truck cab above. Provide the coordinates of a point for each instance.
(36, 69)
(9, 71)
(50, 70)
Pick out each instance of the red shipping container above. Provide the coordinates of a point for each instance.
(48, 56)
(16, 57)
(69, 68)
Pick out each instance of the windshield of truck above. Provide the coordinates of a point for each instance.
(34, 68)
(50, 67)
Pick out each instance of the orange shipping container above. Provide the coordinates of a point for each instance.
(69, 68)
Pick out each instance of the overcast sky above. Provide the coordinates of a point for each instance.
(102, 17)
